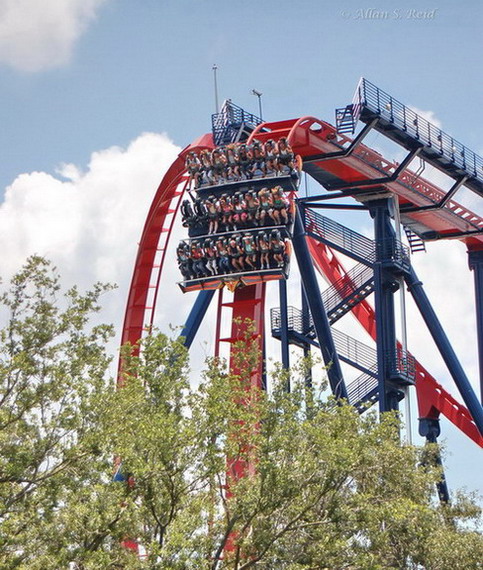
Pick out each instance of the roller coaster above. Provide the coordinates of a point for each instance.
(394, 197)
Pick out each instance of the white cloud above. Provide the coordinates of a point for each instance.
(88, 223)
(430, 116)
(41, 34)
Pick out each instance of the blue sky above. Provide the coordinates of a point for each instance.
(147, 66)
(82, 81)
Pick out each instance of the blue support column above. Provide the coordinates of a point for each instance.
(305, 331)
(456, 370)
(475, 259)
(319, 316)
(430, 429)
(284, 324)
(196, 315)
(385, 284)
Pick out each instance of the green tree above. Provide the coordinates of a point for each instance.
(322, 487)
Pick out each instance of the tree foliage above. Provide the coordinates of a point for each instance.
(224, 476)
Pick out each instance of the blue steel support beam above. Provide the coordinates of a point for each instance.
(284, 325)
(196, 315)
(385, 285)
(319, 316)
(305, 329)
(475, 259)
(430, 429)
(456, 370)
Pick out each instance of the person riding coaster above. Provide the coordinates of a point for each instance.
(218, 161)
(233, 169)
(213, 210)
(239, 207)
(286, 157)
(266, 205)
(287, 252)
(271, 160)
(250, 250)
(252, 207)
(226, 212)
(264, 250)
(244, 161)
(187, 214)
(184, 261)
(211, 256)
(280, 206)
(277, 247)
(236, 253)
(258, 160)
(193, 166)
(206, 175)
(224, 265)
(198, 257)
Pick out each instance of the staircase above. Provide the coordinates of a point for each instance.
(346, 293)
(415, 242)
(345, 121)
(339, 237)
(363, 392)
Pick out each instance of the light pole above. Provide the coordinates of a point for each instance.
(259, 95)
(214, 68)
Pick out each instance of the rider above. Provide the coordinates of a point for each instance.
(285, 155)
(224, 259)
(240, 215)
(266, 205)
(271, 154)
(218, 165)
(264, 249)
(258, 160)
(193, 166)
(252, 205)
(244, 161)
(184, 261)
(226, 211)
(206, 167)
(233, 169)
(213, 210)
(198, 257)
(250, 250)
(211, 256)
(277, 247)
(188, 217)
(280, 205)
(236, 253)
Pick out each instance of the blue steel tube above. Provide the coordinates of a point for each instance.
(475, 259)
(284, 324)
(196, 315)
(319, 316)
(456, 370)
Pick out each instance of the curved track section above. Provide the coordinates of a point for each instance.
(153, 246)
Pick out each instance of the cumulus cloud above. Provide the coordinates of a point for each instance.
(37, 35)
(87, 222)
(430, 116)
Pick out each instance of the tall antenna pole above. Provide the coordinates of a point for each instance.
(214, 68)
(259, 95)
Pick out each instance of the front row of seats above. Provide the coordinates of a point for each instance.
(237, 253)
